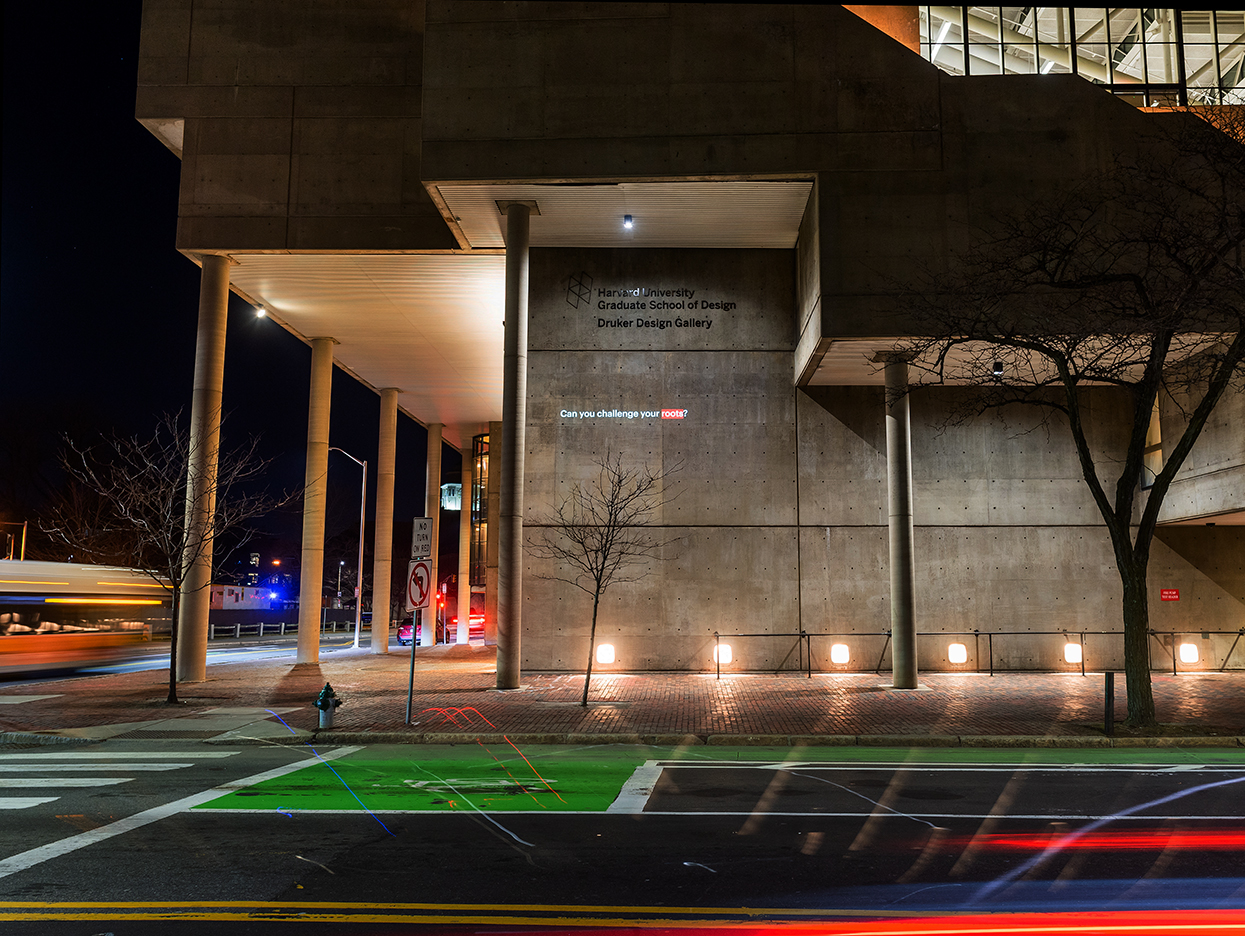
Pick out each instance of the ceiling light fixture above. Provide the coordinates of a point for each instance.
(260, 311)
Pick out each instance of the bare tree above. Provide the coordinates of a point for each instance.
(600, 534)
(1132, 280)
(126, 505)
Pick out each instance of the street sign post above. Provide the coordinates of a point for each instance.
(421, 538)
(418, 595)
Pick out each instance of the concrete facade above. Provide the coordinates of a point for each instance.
(336, 129)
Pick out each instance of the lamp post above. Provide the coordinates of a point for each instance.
(358, 600)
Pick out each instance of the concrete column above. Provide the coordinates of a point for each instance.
(464, 548)
(510, 465)
(315, 494)
(494, 524)
(899, 498)
(382, 545)
(209, 378)
(432, 508)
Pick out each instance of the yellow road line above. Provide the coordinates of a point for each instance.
(282, 906)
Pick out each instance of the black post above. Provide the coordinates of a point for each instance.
(410, 679)
(1109, 703)
(717, 654)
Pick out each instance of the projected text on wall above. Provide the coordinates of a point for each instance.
(624, 414)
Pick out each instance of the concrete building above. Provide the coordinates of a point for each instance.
(433, 196)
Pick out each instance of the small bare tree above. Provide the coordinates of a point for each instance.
(600, 534)
(1131, 280)
(126, 505)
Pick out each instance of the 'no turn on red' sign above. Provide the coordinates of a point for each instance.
(1169, 594)
(418, 584)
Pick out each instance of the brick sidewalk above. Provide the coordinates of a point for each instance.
(454, 693)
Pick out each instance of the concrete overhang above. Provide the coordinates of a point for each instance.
(701, 213)
(431, 323)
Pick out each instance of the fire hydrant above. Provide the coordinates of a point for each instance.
(327, 702)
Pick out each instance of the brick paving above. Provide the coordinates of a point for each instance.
(453, 692)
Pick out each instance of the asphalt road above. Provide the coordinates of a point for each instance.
(411, 838)
(156, 656)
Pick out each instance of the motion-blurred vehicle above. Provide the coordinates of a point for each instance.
(65, 616)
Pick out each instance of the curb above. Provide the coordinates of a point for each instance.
(32, 739)
(719, 740)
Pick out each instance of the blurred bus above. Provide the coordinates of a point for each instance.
(66, 616)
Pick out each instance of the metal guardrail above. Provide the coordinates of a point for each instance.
(282, 628)
(804, 644)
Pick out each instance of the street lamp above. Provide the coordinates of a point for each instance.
(358, 600)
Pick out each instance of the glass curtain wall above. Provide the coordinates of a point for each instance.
(1152, 57)
(479, 510)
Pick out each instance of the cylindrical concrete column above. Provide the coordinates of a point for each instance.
(464, 548)
(432, 509)
(513, 418)
(493, 515)
(196, 597)
(899, 514)
(382, 545)
(315, 494)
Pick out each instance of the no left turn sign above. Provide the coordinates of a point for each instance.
(418, 584)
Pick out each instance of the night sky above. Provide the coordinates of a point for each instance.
(98, 310)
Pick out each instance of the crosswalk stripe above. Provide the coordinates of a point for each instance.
(116, 755)
(26, 768)
(24, 802)
(17, 783)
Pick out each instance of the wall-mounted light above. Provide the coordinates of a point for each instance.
(722, 654)
(997, 369)
(605, 653)
(627, 222)
(839, 654)
(1188, 653)
(1072, 652)
(957, 653)
(260, 311)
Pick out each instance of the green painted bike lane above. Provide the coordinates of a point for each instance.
(387, 778)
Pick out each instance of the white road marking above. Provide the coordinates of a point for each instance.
(24, 802)
(19, 699)
(951, 768)
(636, 791)
(296, 810)
(65, 768)
(118, 755)
(20, 782)
(42, 853)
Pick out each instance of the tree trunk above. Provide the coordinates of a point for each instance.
(172, 698)
(1137, 647)
(592, 640)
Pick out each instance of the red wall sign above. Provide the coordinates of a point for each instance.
(1169, 594)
